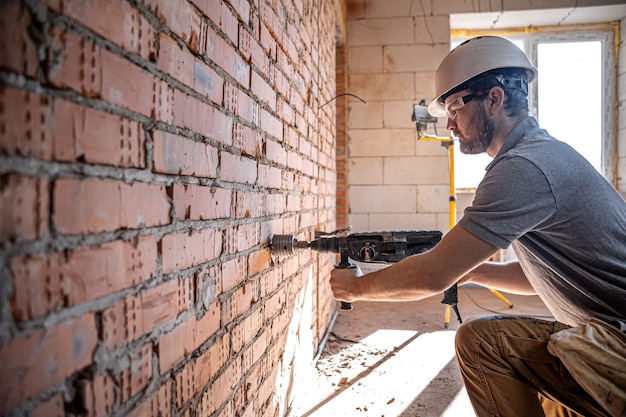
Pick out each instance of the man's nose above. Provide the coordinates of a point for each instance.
(451, 124)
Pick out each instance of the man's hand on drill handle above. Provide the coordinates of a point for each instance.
(342, 283)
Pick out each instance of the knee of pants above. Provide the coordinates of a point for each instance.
(472, 332)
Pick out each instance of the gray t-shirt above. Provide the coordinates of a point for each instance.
(565, 222)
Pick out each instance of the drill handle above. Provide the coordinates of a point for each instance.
(345, 264)
(451, 298)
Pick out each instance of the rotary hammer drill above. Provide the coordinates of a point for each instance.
(370, 247)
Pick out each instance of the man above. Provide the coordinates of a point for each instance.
(565, 222)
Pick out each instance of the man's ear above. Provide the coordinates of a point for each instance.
(495, 99)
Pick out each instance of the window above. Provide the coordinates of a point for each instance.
(572, 98)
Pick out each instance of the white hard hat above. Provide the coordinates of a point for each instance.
(473, 57)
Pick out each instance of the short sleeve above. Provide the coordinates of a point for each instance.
(514, 198)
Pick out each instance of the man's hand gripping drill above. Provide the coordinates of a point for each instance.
(370, 247)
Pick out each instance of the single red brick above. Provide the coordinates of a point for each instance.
(184, 250)
(32, 363)
(175, 154)
(208, 82)
(23, 207)
(234, 272)
(74, 62)
(260, 59)
(103, 205)
(238, 169)
(275, 152)
(254, 113)
(247, 140)
(126, 84)
(185, 379)
(25, 124)
(175, 60)
(46, 283)
(97, 137)
(294, 161)
(269, 177)
(201, 203)
(202, 118)
(271, 125)
(17, 50)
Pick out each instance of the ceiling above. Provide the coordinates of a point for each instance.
(544, 17)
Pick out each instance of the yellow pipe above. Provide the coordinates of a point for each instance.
(501, 297)
(449, 144)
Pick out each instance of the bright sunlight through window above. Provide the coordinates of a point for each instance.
(570, 95)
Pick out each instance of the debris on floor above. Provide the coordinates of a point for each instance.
(396, 359)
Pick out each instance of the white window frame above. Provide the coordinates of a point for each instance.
(607, 34)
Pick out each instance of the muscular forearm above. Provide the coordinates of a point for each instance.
(507, 277)
(406, 280)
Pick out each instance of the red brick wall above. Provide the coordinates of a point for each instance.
(149, 150)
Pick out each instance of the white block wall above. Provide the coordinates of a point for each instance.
(395, 182)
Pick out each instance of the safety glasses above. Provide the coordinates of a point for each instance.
(453, 107)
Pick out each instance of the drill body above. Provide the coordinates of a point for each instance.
(371, 247)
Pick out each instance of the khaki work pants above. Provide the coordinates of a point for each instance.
(508, 371)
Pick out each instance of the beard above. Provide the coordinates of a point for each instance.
(478, 137)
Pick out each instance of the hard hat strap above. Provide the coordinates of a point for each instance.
(512, 82)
